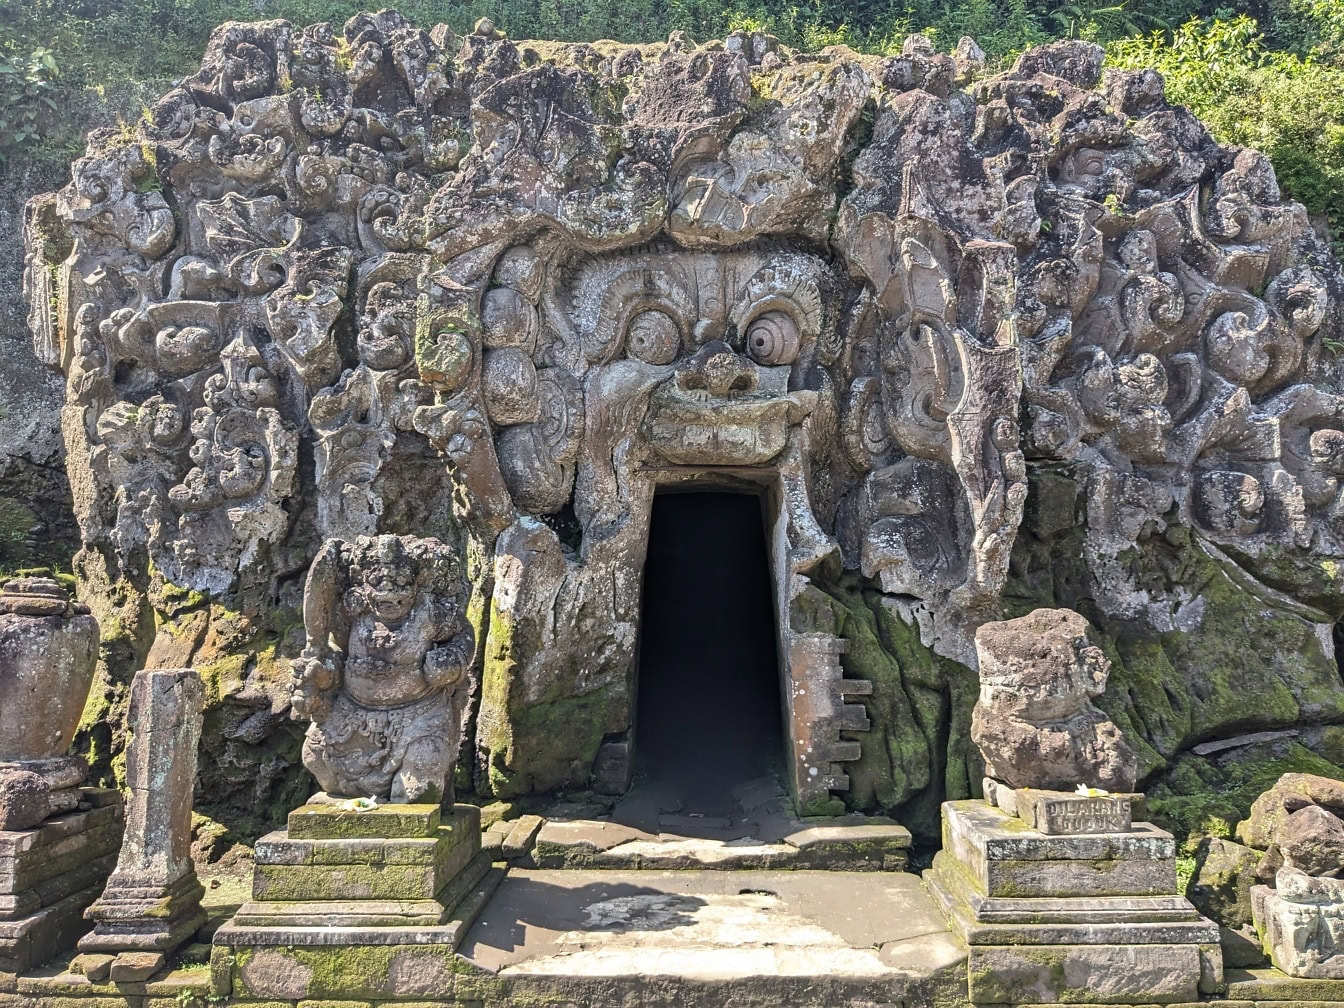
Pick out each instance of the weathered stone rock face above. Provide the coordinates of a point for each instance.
(384, 281)
(1035, 722)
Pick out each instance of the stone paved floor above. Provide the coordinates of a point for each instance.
(712, 924)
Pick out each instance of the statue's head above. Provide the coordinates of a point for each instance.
(387, 578)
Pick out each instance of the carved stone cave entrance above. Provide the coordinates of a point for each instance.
(709, 707)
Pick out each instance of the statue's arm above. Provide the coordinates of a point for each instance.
(446, 664)
(317, 672)
(321, 592)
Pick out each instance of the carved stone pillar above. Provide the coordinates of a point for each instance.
(58, 840)
(152, 902)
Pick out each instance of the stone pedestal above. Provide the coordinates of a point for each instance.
(50, 874)
(1082, 919)
(152, 902)
(403, 881)
(1301, 924)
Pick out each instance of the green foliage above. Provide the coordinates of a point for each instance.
(28, 92)
(1288, 106)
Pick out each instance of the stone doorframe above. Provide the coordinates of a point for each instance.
(813, 690)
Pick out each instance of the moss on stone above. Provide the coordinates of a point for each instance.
(1201, 798)
(917, 752)
(1235, 662)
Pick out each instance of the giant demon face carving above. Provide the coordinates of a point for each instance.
(665, 357)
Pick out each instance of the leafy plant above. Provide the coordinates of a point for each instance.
(27, 95)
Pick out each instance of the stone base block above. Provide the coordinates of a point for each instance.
(1007, 858)
(410, 868)
(1085, 919)
(153, 918)
(1304, 940)
(314, 951)
(328, 820)
(49, 875)
(340, 913)
(416, 966)
(1083, 974)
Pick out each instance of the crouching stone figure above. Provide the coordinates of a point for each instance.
(383, 675)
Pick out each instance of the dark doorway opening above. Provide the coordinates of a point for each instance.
(708, 709)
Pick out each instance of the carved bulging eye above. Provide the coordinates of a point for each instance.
(773, 338)
(653, 338)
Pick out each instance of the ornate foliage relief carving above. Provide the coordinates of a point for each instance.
(569, 274)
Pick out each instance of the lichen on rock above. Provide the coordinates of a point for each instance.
(981, 343)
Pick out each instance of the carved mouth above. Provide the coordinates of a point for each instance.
(697, 427)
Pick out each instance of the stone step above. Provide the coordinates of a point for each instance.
(860, 845)
(387, 921)
(706, 938)
(279, 848)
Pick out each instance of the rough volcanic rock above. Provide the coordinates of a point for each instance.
(1293, 792)
(25, 799)
(379, 280)
(1312, 840)
(1035, 722)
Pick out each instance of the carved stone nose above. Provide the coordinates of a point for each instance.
(716, 369)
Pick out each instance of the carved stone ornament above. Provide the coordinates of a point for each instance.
(384, 673)
(346, 284)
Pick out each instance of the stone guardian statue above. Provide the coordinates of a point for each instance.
(383, 675)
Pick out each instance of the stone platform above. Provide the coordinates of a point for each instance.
(50, 874)
(1086, 919)
(356, 901)
(721, 940)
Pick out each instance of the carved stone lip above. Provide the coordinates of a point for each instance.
(722, 430)
(716, 443)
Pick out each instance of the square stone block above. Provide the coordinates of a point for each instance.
(367, 881)
(333, 822)
(1089, 920)
(1006, 858)
(1057, 813)
(1003, 837)
(355, 869)
(1084, 974)
(338, 971)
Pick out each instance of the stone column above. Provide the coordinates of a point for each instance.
(1058, 894)
(152, 902)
